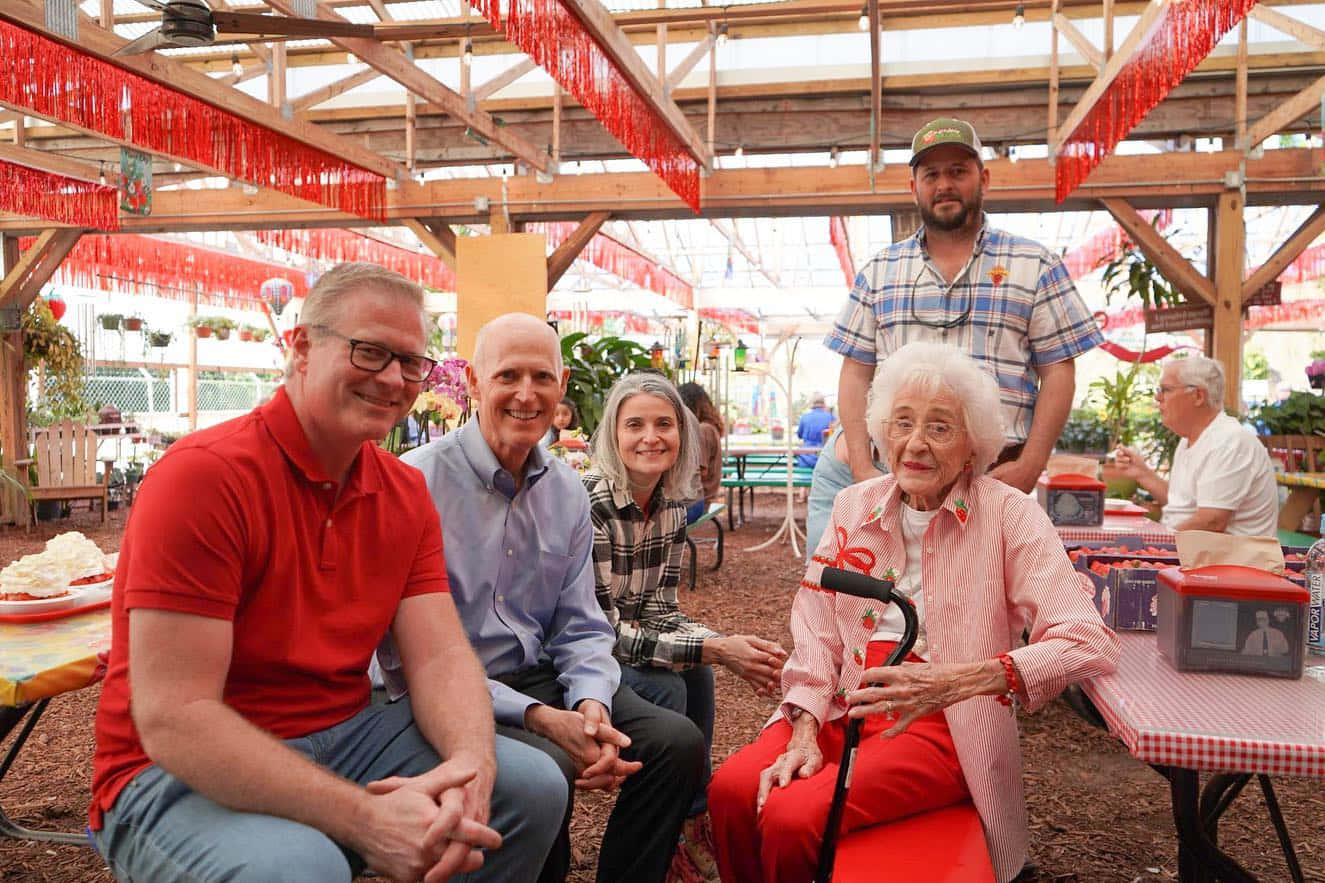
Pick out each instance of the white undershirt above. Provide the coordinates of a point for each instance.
(890, 623)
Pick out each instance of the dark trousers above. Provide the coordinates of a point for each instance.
(645, 824)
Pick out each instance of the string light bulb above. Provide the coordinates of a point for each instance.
(832, 158)
(740, 151)
(101, 176)
(1019, 17)
(235, 67)
(864, 22)
(467, 57)
(722, 35)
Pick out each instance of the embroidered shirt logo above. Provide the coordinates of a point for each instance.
(961, 510)
(998, 274)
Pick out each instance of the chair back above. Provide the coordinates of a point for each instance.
(66, 454)
(1298, 453)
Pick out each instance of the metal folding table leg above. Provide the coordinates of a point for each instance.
(9, 718)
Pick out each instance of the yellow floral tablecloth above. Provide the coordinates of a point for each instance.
(43, 659)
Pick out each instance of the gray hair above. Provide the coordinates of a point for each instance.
(929, 368)
(1203, 373)
(325, 300)
(678, 482)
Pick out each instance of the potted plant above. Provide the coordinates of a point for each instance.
(260, 334)
(48, 343)
(221, 327)
(133, 323)
(245, 332)
(594, 367)
(159, 338)
(111, 321)
(1316, 370)
(201, 325)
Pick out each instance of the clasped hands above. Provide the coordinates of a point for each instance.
(428, 827)
(587, 735)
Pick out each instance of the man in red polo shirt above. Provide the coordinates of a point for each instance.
(264, 560)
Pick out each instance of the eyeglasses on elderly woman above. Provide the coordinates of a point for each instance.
(936, 432)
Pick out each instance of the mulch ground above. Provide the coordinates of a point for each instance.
(1095, 813)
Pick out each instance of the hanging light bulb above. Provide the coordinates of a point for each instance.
(832, 158)
(350, 59)
(1019, 17)
(101, 177)
(864, 23)
(740, 151)
(235, 67)
(467, 57)
(722, 35)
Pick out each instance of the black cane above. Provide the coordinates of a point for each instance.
(850, 583)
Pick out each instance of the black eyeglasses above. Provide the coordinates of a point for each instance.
(942, 323)
(375, 357)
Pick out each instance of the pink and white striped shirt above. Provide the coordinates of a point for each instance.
(992, 566)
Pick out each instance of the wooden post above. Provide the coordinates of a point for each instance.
(556, 125)
(193, 366)
(1052, 137)
(876, 91)
(1240, 86)
(1108, 29)
(1230, 247)
(13, 390)
(713, 96)
(276, 78)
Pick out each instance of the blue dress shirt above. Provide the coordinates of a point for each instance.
(521, 570)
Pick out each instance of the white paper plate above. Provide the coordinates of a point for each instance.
(41, 605)
(1114, 504)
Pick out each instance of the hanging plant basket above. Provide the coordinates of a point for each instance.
(203, 330)
(221, 333)
(111, 321)
(245, 334)
(133, 323)
(159, 338)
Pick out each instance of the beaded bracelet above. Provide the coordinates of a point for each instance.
(1013, 682)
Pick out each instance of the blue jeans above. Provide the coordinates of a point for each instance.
(688, 692)
(160, 829)
(696, 510)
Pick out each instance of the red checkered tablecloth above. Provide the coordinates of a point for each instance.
(1212, 722)
(1116, 526)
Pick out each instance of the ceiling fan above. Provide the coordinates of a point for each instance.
(193, 23)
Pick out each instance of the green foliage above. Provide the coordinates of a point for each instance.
(594, 367)
(1083, 433)
(1255, 366)
(1156, 441)
(111, 321)
(1116, 397)
(1302, 413)
(1131, 274)
(51, 345)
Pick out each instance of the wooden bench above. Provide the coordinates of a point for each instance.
(941, 846)
(710, 515)
(66, 458)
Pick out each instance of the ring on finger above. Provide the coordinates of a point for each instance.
(888, 708)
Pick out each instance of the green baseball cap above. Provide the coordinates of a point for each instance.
(944, 130)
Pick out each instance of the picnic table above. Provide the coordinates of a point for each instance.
(1305, 488)
(1234, 726)
(41, 661)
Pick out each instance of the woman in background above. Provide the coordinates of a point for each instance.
(711, 430)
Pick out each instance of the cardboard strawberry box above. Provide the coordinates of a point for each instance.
(1125, 588)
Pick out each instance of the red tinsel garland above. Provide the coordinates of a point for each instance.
(162, 268)
(620, 259)
(37, 194)
(51, 80)
(554, 38)
(736, 320)
(1182, 40)
(837, 235)
(339, 246)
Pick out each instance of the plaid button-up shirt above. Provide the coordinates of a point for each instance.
(1012, 307)
(637, 567)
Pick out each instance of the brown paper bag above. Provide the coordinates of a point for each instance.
(1061, 464)
(1199, 548)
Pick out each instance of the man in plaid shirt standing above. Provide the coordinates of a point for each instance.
(1008, 301)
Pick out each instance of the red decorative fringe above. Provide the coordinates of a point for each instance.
(837, 235)
(339, 246)
(554, 38)
(51, 80)
(1108, 244)
(736, 320)
(162, 268)
(619, 259)
(37, 194)
(634, 322)
(1181, 41)
(1126, 355)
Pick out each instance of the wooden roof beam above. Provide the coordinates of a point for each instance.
(1285, 254)
(600, 25)
(1172, 265)
(1093, 56)
(1141, 32)
(1293, 109)
(51, 162)
(36, 265)
(501, 81)
(100, 43)
(687, 64)
(331, 90)
(565, 254)
(394, 64)
(437, 236)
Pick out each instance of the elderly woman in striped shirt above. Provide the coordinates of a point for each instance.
(645, 455)
(981, 563)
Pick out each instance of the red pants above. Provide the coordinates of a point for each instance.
(893, 778)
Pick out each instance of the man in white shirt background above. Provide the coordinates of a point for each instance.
(1222, 479)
